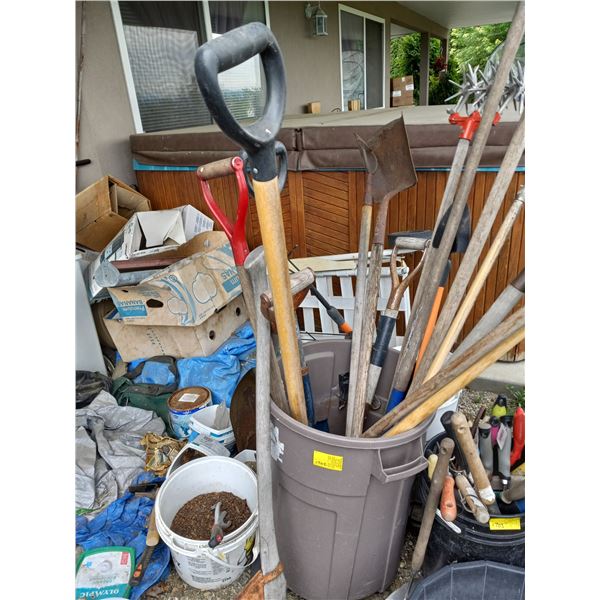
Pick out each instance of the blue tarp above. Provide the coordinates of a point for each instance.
(124, 523)
(220, 372)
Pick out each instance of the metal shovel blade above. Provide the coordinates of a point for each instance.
(388, 161)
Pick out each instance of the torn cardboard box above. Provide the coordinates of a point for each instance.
(102, 210)
(149, 233)
(144, 341)
(186, 293)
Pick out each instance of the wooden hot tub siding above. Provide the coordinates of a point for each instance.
(321, 214)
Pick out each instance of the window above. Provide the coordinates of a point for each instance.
(158, 42)
(362, 58)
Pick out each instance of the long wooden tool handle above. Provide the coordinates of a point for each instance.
(467, 445)
(277, 389)
(478, 282)
(268, 541)
(268, 206)
(480, 512)
(359, 302)
(477, 242)
(433, 498)
(434, 266)
(512, 294)
(456, 374)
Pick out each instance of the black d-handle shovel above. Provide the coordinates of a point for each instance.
(258, 140)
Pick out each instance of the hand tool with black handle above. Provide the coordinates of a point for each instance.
(258, 140)
(236, 234)
(431, 504)
(386, 326)
(152, 540)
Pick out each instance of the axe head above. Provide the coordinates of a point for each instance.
(388, 161)
(463, 234)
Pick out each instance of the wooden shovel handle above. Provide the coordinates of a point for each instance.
(470, 452)
(268, 206)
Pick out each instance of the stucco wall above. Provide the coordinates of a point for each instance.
(105, 121)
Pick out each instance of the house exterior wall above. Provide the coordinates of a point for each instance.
(106, 121)
(312, 66)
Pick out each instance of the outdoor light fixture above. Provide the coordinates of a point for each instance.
(318, 17)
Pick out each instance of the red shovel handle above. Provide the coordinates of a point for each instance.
(236, 232)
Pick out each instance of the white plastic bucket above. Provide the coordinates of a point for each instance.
(202, 422)
(196, 563)
(436, 426)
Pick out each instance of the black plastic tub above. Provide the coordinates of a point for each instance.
(467, 540)
(472, 581)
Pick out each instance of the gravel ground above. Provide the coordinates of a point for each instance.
(175, 589)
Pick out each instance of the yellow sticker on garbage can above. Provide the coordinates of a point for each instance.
(328, 461)
(508, 524)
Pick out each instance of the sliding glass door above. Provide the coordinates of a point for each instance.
(362, 59)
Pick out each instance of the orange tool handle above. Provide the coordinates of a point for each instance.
(447, 501)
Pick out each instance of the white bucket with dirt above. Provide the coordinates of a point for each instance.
(198, 564)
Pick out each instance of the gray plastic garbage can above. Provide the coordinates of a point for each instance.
(341, 504)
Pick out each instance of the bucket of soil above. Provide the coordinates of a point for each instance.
(183, 404)
(185, 515)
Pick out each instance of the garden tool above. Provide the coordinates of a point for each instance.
(503, 448)
(300, 282)
(512, 294)
(516, 491)
(474, 428)
(433, 499)
(518, 436)
(236, 234)
(334, 314)
(258, 140)
(242, 409)
(480, 478)
(217, 531)
(390, 170)
(446, 423)
(447, 501)
(447, 322)
(477, 284)
(486, 452)
(469, 495)
(453, 377)
(386, 327)
(499, 406)
(436, 261)
(272, 584)
(461, 242)
(152, 540)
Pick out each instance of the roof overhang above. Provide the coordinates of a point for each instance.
(452, 14)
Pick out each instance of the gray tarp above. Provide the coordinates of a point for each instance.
(108, 453)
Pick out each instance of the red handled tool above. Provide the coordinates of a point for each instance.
(235, 232)
(518, 435)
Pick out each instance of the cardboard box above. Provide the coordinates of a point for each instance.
(102, 209)
(151, 232)
(185, 294)
(402, 89)
(139, 341)
(313, 107)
